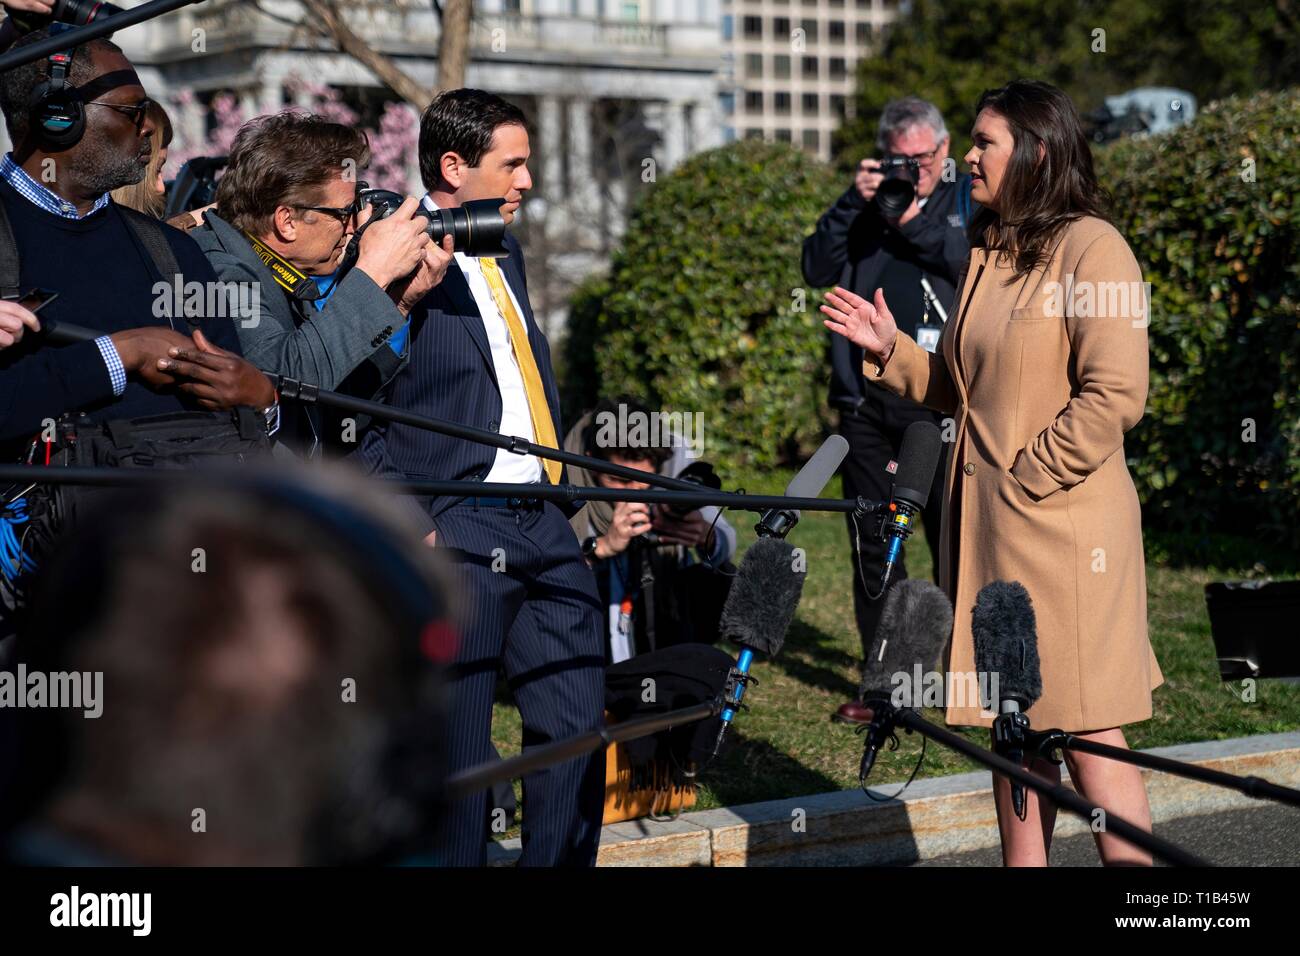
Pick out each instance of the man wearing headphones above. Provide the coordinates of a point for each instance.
(79, 126)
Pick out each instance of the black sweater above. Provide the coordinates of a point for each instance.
(105, 280)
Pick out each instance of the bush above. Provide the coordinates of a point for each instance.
(704, 309)
(1212, 214)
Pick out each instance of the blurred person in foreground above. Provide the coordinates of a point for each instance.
(277, 703)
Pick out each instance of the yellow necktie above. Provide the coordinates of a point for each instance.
(538, 409)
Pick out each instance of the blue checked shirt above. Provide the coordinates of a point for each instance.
(30, 189)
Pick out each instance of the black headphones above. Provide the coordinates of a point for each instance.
(58, 116)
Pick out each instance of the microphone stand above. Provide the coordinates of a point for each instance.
(1057, 793)
(486, 775)
(1047, 742)
(101, 27)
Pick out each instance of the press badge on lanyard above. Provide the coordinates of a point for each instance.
(927, 332)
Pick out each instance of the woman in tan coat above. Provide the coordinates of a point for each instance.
(1043, 367)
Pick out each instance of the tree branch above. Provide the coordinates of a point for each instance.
(331, 23)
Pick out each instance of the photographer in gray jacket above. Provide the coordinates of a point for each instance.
(287, 206)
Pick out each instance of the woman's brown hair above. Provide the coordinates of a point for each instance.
(284, 160)
(141, 196)
(1038, 198)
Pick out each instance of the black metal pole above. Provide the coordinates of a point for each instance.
(486, 775)
(1057, 793)
(1047, 740)
(91, 31)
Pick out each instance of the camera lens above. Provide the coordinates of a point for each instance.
(477, 227)
(898, 189)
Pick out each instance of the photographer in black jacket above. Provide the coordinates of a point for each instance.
(916, 258)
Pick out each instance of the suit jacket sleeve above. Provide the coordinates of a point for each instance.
(1109, 355)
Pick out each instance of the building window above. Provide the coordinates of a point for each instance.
(753, 27)
(810, 103)
(728, 26)
(809, 29)
(752, 133)
(727, 102)
(753, 65)
(811, 141)
(837, 3)
(862, 33)
(781, 28)
(838, 70)
(753, 101)
(781, 66)
(810, 65)
(835, 30)
(783, 136)
(630, 9)
(781, 103)
(837, 105)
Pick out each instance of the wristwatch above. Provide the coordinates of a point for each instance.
(589, 547)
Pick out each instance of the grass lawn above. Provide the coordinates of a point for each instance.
(785, 745)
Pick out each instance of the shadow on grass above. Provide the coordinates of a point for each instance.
(749, 770)
(826, 670)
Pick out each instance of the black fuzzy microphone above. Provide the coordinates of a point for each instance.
(915, 627)
(1006, 655)
(764, 596)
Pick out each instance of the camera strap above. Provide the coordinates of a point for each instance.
(297, 284)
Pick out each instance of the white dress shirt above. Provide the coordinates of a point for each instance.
(515, 417)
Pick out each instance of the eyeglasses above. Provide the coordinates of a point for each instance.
(341, 213)
(137, 112)
(925, 159)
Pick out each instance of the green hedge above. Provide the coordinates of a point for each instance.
(1222, 254)
(700, 310)
(696, 312)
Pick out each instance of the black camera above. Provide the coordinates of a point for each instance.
(896, 193)
(700, 473)
(76, 12)
(477, 226)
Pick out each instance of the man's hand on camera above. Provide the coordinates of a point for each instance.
(910, 213)
(142, 349)
(392, 248)
(692, 531)
(409, 291)
(631, 518)
(868, 179)
(216, 378)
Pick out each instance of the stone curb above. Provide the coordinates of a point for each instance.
(937, 816)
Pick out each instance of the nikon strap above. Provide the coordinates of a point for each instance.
(301, 287)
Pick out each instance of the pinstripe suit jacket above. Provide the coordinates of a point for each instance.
(450, 375)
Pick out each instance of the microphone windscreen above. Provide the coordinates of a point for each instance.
(917, 461)
(764, 595)
(65, 333)
(1006, 641)
(821, 467)
(915, 626)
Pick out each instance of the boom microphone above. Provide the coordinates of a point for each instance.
(915, 626)
(65, 333)
(1006, 654)
(917, 461)
(808, 483)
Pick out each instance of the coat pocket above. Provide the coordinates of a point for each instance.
(1028, 315)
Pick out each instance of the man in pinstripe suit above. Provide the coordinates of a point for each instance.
(478, 357)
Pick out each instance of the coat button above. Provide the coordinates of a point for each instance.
(492, 425)
(970, 468)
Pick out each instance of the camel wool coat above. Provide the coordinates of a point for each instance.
(1043, 375)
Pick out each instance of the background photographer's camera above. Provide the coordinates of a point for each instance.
(896, 193)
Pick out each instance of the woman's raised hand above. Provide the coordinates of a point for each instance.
(861, 322)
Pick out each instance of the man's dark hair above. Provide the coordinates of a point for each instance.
(284, 160)
(461, 121)
(16, 85)
(619, 409)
